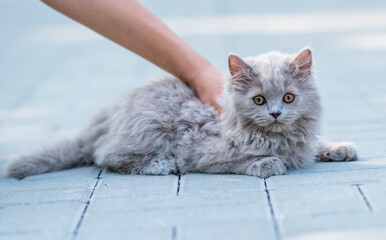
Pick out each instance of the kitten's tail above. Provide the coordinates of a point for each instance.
(64, 155)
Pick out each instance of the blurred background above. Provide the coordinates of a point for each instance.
(55, 72)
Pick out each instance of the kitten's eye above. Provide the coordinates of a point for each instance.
(259, 100)
(289, 98)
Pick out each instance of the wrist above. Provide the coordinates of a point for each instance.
(202, 76)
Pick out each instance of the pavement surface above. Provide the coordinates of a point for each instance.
(55, 73)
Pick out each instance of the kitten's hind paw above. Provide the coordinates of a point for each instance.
(266, 167)
(344, 151)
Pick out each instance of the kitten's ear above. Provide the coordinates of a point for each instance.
(241, 72)
(301, 65)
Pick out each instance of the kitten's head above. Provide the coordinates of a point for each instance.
(274, 92)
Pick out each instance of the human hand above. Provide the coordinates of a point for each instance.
(208, 84)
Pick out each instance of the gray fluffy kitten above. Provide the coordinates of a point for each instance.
(270, 123)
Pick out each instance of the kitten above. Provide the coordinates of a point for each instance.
(270, 123)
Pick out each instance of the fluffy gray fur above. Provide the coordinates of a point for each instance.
(163, 128)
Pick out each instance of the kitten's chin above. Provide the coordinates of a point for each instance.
(276, 127)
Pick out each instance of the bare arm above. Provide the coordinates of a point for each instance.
(130, 24)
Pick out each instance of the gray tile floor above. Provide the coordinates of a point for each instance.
(55, 73)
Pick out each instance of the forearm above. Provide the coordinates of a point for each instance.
(130, 24)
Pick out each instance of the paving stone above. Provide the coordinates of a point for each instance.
(371, 148)
(254, 229)
(337, 226)
(43, 196)
(341, 109)
(170, 202)
(117, 185)
(192, 184)
(43, 234)
(370, 234)
(374, 130)
(304, 178)
(332, 208)
(171, 217)
(375, 194)
(317, 200)
(40, 217)
(39, 115)
(24, 133)
(8, 185)
(10, 151)
(129, 233)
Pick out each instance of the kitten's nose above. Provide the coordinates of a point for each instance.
(275, 114)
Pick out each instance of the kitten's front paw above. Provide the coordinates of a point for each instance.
(345, 151)
(266, 167)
